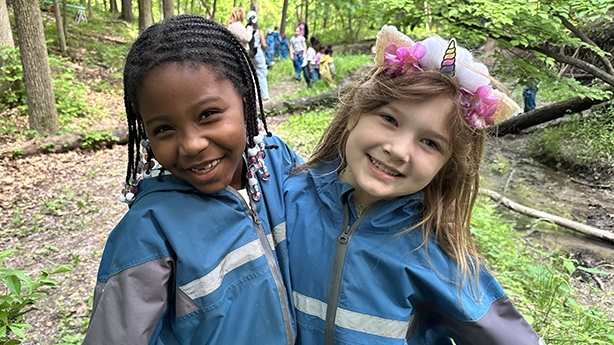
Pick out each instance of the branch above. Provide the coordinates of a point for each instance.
(581, 35)
(583, 65)
(570, 224)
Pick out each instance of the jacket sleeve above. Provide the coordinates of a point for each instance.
(134, 281)
(501, 325)
(129, 306)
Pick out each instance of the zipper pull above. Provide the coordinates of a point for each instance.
(343, 238)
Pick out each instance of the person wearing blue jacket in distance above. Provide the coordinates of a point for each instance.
(378, 220)
(194, 260)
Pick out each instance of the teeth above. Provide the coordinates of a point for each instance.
(383, 168)
(207, 168)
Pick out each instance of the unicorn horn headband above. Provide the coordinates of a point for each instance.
(398, 55)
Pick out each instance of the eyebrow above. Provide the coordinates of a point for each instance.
(164, 117)
(443, 139)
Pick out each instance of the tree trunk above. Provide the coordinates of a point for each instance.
(6, 34)
(178, 7)
(58, 24)
(64, 16)
(42, 112)
(255, 6)
(113, 6)
(168, 8)
(127, 13)
(540, 115)
(145, 14)
(284, 12)
(307, 20)
(89, 9)
(214, 9)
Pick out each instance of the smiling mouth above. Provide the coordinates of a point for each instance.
(383, 168)
(207, 168)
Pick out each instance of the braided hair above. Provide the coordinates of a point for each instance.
(190, 39)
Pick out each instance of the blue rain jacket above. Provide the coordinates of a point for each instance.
(355, 282)
(184, 267)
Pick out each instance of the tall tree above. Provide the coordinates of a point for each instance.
(127, 13)
(284, 16)
(113, 6)
(6, 34)
(89, 8)
(168, 8)
(145, 14)
(58, 24)
(42, 112)
(64, 16)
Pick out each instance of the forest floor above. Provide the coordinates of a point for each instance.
(60, 208)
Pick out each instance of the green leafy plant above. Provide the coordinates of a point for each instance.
(16, 153)
(19, 296)
(96, 140)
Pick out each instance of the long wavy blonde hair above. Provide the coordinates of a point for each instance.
(450, 196)
(236, 15)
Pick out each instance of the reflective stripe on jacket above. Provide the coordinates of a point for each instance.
(355, 282)
(184, 267)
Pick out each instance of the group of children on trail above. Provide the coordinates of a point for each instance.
(316, 63)
(231, 239)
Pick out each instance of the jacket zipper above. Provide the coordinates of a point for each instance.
(272, 263)
(343, 242)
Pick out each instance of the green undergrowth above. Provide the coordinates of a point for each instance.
(539, 282)
(302, 132)
(582, 143)
(283, 73)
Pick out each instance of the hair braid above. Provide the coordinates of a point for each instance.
(194, 40)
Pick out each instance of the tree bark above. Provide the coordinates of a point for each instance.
(64, 16)
(570, 224)
(540, 115)
(167, 8)
(127, 13)
(113, 6)
(6, 34)
(59, 25)
(284, 16)
(89, 9)
(145, 14)
(43, 116)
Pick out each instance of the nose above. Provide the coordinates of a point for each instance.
(400, 148)
(192, 143)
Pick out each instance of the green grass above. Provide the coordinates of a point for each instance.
(302, 132)
(581, 140)
(283, 73)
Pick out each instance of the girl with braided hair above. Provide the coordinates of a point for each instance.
(194, 260)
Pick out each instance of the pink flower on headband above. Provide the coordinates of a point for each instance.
(403, 59)
(479, 106)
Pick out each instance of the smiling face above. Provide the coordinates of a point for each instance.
(397, 149)
(194, 121)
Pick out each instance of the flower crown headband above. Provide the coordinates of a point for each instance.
(398, 54)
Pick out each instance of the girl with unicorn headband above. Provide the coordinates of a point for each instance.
(378, 219)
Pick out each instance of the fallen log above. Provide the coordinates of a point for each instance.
(69, 142)
(291, 105)
(540, 115)
(570, 224)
